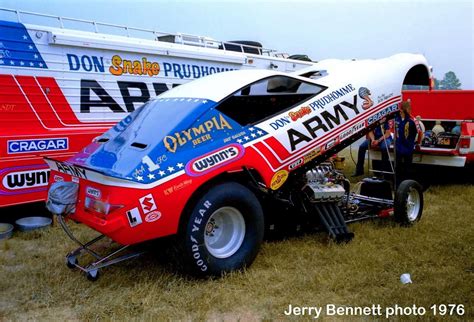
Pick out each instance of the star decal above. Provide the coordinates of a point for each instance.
(139, 178)
(36, 56)
(22, 63)
(180, 165)
(259, 132)
(31, 64)
(40, 64)
(204, 102)
(239, 141)
(246, 138)
(253, 135)
(30, 47)
(251, 129)
(25, 37)
(151, 176)
(161, 173)
(1, 61)
(170, 169)
(12, 62)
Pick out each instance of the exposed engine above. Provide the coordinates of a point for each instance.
(325, 184)
(325, 189)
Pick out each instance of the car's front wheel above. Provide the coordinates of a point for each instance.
(224, 230)
(408, 202)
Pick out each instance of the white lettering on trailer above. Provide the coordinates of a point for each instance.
(37, 145)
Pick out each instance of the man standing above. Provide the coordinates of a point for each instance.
(406, 132)
(380, 137)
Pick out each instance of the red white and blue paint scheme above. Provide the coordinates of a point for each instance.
(138, 181)
(60, 87)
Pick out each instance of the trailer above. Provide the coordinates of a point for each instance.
(446, 119)
(61, 87)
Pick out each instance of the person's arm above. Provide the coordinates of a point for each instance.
(373, 141)
(385, 135)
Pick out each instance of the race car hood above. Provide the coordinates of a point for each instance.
(157, 139)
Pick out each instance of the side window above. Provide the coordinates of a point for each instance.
(267, 97)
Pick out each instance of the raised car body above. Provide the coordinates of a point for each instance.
(217, 159)
(148, 166)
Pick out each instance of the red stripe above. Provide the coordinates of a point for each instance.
(276, 146)
(38, 101)
(274, 162)
(61, 105)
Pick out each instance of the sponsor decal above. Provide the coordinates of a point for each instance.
(334, 95)
(177, 187)
(71, 170)
(153, 216)
(312, 155)
(121, 66)
(58, 178)
(37, 145)
(364, 93)
(134, 217)
(214, 159)
(330, 144)
(93, 192)
(383, 113)
(26, 179)
(296, 164)
(278, 179)
(323, 122)
(305, 110)
(197, 134)
(351, 131)
(147, 203)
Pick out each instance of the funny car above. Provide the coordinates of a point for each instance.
(204, 160)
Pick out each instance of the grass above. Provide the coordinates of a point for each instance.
(304, 270)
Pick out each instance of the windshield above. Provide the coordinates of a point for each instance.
(155, 119)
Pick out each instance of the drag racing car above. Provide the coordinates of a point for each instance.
(204, 160)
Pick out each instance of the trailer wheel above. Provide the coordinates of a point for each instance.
(408, 202)
(224, 231)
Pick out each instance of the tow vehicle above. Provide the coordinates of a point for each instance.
(203, 160)
(66, 81)
(454, 111)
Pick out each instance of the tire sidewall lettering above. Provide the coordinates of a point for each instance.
(197, 236)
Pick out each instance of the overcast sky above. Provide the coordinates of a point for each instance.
(441, 30)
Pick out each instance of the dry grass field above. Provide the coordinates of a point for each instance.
(305, 270)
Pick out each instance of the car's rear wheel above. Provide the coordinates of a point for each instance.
(224, 230)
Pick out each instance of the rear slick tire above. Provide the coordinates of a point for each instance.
(224, 231)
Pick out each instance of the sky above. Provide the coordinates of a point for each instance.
(441, 30)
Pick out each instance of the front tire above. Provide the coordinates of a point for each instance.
(224, 230)
(408, 202)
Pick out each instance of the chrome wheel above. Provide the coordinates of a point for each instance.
(413, 204)
(224, 232)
